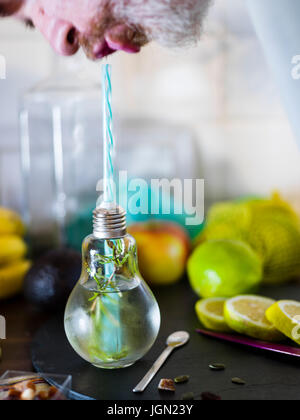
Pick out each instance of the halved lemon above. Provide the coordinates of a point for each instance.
(285, 316)
(211, 314)
(246, 315)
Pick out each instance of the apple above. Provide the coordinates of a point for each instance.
(163, 250)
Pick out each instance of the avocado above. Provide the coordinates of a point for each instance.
(51, 279)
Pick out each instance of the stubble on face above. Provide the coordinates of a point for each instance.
(171, 23)
(105, 21)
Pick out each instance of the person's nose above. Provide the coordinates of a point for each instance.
(123, 38)
(62, 35)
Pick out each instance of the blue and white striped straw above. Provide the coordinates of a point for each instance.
(108, 139)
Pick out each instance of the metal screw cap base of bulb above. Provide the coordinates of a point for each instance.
(110, 222)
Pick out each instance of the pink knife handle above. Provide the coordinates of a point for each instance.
(262, 345)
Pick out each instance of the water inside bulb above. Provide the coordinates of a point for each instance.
(112, 318)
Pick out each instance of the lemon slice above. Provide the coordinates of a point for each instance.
(246, 315)
(285, 316)
(211, 314)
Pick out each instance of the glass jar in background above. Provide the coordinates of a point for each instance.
(10, 174)
(61, 150)
(60, 132)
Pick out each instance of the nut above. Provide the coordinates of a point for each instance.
(30, 385)
(43, 395)
(28, 395)
(52, 392)
(13, 394)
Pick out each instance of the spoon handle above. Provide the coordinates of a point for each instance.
(153, 371)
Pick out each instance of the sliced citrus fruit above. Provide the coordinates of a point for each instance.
(285, 316)
(211, 314)
(246, 315)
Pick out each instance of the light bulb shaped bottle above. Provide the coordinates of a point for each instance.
(112, 318)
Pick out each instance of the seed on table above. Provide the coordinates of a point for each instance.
(238, 381)
(189, 396)
(182, 379)
(209, 396)
(217, 366)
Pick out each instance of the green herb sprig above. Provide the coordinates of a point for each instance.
(117, 259)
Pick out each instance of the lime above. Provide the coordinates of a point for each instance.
(211, 314)
(224, 268)
(247, 315)
(285, 316)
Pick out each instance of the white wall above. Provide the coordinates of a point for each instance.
(223, 89)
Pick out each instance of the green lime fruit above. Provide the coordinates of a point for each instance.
(224, 268)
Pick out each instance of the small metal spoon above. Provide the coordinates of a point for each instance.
(174, 341)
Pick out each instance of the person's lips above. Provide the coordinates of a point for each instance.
(126, 47)
(118, 38)
(98, 45)
(101, 49)
(122, 38)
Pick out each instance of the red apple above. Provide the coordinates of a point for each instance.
(163, 250)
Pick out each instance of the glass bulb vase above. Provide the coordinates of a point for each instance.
(112, 318)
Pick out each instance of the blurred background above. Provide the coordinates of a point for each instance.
(212, 112)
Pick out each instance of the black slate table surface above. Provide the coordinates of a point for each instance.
(268, 376)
